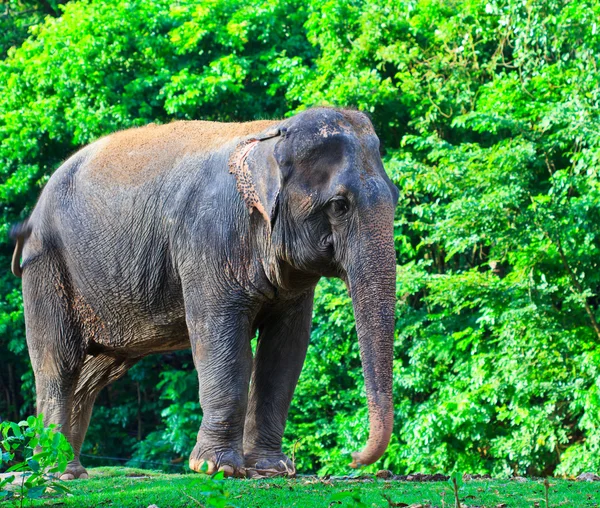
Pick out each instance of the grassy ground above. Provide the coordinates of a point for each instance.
(126, 487)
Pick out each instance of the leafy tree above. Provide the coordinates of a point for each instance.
(17, 16)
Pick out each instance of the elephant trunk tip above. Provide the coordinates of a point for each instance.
(381, 424)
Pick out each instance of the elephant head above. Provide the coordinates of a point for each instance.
(327, 206)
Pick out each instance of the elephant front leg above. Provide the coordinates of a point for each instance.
(223, 358)
(280, 354)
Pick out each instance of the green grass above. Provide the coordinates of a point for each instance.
(126, 487)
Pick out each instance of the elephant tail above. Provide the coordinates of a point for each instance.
(19, 233)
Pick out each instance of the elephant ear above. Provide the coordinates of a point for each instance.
(257, 173)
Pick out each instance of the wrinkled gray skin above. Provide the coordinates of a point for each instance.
(198, 234)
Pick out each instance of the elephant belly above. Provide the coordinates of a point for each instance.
(137, 337)
(133, 323)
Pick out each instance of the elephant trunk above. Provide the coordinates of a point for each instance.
(371, 270)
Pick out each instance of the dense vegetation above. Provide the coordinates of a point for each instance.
(488, 110)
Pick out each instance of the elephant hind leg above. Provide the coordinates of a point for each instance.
(54, 341)
(97, 372)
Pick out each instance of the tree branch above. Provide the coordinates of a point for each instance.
(577, 285)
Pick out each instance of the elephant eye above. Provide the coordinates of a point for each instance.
(339, 206)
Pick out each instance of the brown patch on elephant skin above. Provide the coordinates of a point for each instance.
(326, 130)
(359, 122)
(134, 156)
(92, 326)
(238, 166)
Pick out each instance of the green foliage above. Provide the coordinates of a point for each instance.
(213, 491)
(349, 498)
(488, 111)
(17, 16)
(45, 453)
(456, 482)
(176, 431)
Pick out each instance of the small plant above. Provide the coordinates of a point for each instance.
(546, 489)
(213, 490)
(456, 480)
(44, 451)
(353, 497)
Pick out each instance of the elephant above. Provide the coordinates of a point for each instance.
(198, 235)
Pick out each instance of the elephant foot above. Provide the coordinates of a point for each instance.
(210, 462)
(74, 471)
(269, 466)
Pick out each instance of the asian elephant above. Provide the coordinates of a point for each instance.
(199, 234)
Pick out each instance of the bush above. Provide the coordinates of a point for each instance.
(39, 453)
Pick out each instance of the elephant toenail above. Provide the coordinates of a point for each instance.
(227, 470)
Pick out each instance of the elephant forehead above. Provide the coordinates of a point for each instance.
(327, 122)
(136, 155)
(327, 133)
(317, 154)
